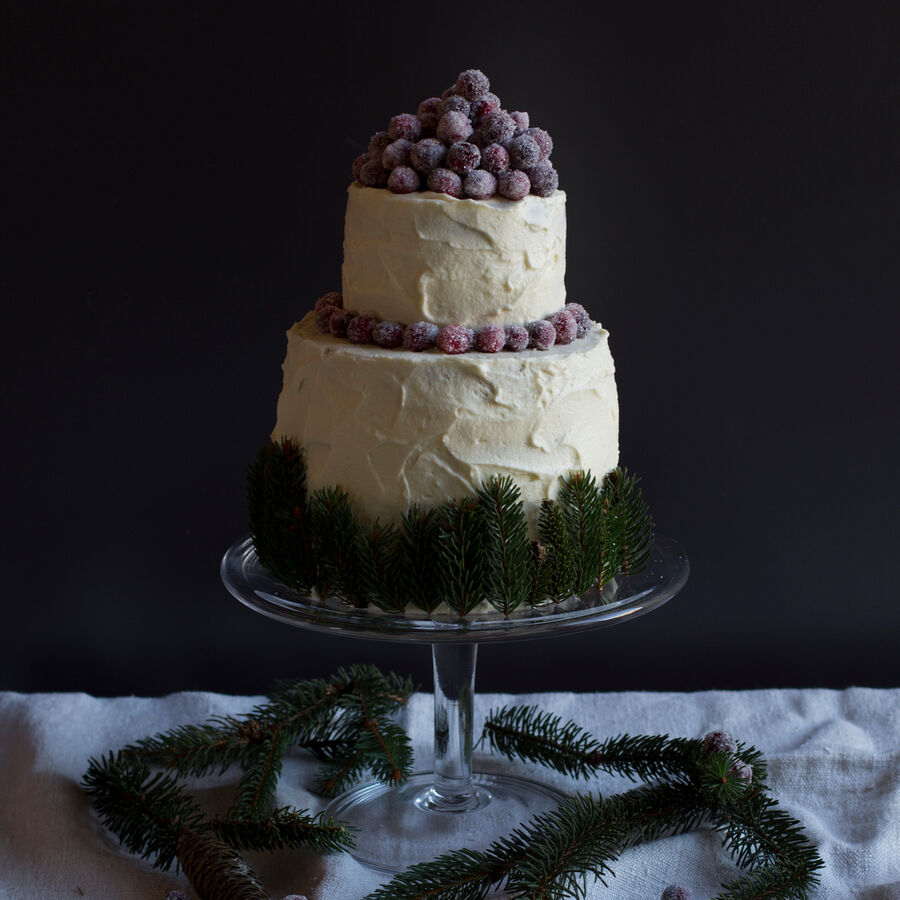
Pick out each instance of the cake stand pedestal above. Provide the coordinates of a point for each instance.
(452, 806)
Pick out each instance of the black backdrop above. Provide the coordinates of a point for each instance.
(173, 201)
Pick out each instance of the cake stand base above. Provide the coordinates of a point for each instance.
(401, 826)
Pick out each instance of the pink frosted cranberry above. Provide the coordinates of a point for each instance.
(516, 337)
(741, 770)
(377, 143)
(719, 742)
(463, 157)
(339, 321)
(521, 120)
(326, 306)
(544, 141)
(403, 180)
(427, 155)
(332, 298)
(454, 339)
(472, 84)
(675, 892)
(453, 126)
(524, 151)
(443, 181)
(420, 336)
(565, 325)
(543, 178)
(358, 164)
(455, 103)
(490, 338)
(373, 174)
(497, 127)
(513, 184)
(541, 335)
(429, 112)
(387, 334)
(494, 159)
(359, 329)
(396, 154)
(479, 185)
(582, 319)
(407, 126)
(484, 105)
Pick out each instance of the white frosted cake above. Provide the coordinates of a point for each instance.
(450, 354)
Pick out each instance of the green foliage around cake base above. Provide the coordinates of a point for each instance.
(468, 551)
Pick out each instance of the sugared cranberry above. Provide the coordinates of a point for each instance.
(582, 319)
(332, 298)
(516, 337)
(450, 90)
(358, 164)
(454, 339)
(359, 329)
(544, 141)
(377, 143)
(338, 323)
(396, 153)
(326, 306)
(494, 159)
(675, 892)
(485, 105)
(479, 185)
(388, 335)
(742, 771)
(541, 335)
(429, 112)
(443, 181)
(177, 895)
(490, 338)
(403, 180)
(719, 742)
(472, 84)
(373, 174)
(565, 325)
(497, 127)
(524, 151)
(543, 178)
(406, 125)
(453, 126)
(463, 157)
(455, 103)
(420, 336)
(513, 184)
(521, 120)
(427, 155)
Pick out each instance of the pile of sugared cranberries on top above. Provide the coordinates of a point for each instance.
(462, 143)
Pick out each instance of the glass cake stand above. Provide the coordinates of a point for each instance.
(450, 807)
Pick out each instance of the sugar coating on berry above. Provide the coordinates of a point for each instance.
(359, 329)
(377, 143)
(675, 892)
(403, 180)
(484, 105)
(388, 335)
(513, 184)
(396, 153)
(479, 185)
(544, 141)
(454, 339)
(719, 742)
(516, 337)
(494, 158)
(490, 338)
(524, 151)
(420, 336)
(472, 84)
(332, 298)
(339, 321)
(177, 895)
(453, 126)
(429, 112)
(427, 155)
(406, 125)
(294, 897)
(455, 103)
(463, 157)
(541, 335)
(521, 120)
(497, 127)
(358, 164)
(543, 178)
(565, 325)
(373, 174)
(742, 771)
(326, 307)
(583, 321)
(443, 181)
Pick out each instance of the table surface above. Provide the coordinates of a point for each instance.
(833, 764)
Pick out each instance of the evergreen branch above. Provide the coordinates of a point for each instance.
(460, 554)
(627, 531)
(339, 773)
(256, 789)
(582, 506)
(216, 871)
(337, 545)
(418, 563)
(379, 558)
(556, 577)
(284, 828)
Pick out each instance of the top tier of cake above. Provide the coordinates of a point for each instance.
(435, 258)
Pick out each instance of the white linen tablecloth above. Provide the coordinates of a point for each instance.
(833, 764)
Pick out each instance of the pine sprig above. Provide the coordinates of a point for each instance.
(284, 827)
(556, 578)
(461, 539)
(419, 562)
(628, 527)
(337, 537)
(582, 505)
(379, 555)
(256, 789)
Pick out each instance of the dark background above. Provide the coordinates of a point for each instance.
(173, 200)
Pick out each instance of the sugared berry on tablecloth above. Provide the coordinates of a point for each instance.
(388, 335)
(452, 127)
(455, 103)
(396, 153)
(472, 84)
(373, 174)
(484, 105)
(543, 178)
(377, 143)
(497, 127)
(339, 321)
(420, 336)
(479, 185)
(490, 338)
(463, 157)
(454, 339)
(675, 892)
(443, 181)
(543, 139)
(742, 771)
(427, 154)
(565, 325)
(524, 151)
(541, 335)
(513, 184)
(719, 742)
(406, 125)
(516, 337)
(177, 895)
(359, 329)
(294, 897)
(429, 112)
(521, 120)
(582, 319)
(494, 158)
(403, 180)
